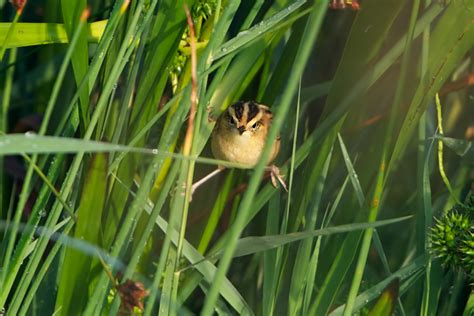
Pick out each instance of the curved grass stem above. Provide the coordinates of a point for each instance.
(442, 172)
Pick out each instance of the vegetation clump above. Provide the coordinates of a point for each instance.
(452, 238)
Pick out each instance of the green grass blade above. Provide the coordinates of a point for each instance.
(352, 174)
(77, 266)
(154, 289)
(361, 199)
(9, 31)
(136, 207)
(72, 12)
(32, 34)
(425, 214)
(7, 91)
(4, 111)
(207, 269)
(251, 245)
(22, 248)
(70, 179)
(272, 260)
(8, 275)
(381, 176)
(403, 274)
(36, 144)
(186, 177)
(216, 213)
(445, 53)
(352, 64)
(8, 216)
(318, 175)
(259, 30)
(469, 309)
(165, 36)
(312, 29)
(274, 274)
(25, 305)
(14, 144)
(385, 305)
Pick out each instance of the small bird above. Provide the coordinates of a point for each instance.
(239, 136)
(240, 133)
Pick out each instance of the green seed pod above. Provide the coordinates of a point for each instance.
(452, 238)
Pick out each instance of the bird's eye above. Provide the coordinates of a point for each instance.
(256, 125)
(230, 120)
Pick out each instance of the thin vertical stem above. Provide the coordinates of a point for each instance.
(382, 176)
(187, 147)
(442, 172)
(311, 31)
(7, 91)
(29, 174)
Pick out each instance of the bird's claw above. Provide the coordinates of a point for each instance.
(276, 177)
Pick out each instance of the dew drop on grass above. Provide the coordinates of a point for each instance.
(243, 33)
(30, 134)
(223, 50)
(154, 151)
(42, 213)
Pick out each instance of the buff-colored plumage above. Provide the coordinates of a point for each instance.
(240, 133)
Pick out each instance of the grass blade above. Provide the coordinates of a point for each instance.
(32, 34)
(251, 245)
(403, 274)
(77, 266)
(312, 29)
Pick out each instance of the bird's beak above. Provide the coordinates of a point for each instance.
(241, 129)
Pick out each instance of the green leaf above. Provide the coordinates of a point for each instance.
(251, 245)
(207, 269)
(72, 11)
(405, 275)
(311, 31)
(362, 46)
(13, 144)
(32, 34)
(469, 309)
(257, 31)
(386, 302)
(75, 272)
(452, 37)
(166, 33)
